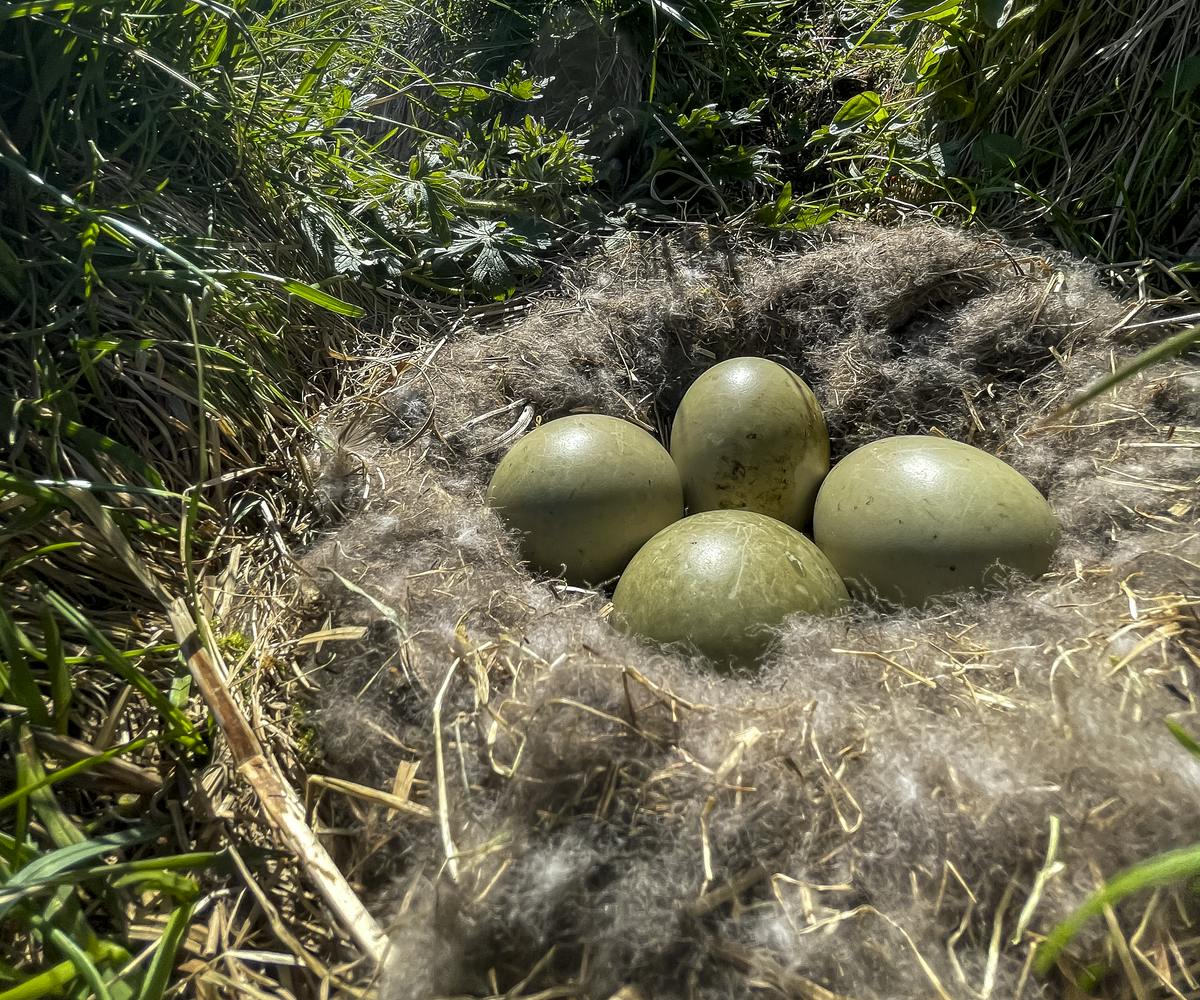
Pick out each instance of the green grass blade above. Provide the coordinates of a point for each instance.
(12, 11)
(44, 868)
(21, 853)
(675, 14)
(71, 771)
(319, 67)
(61, 689)
(112, 874)
(120, 229)
(304, 291)
(161, 966)
(178, 724)
(33, 782)
(51, 983)
(100, 486)
(66, 858)
(323, 299)
(1173, 866)
(182, 888)
(1186, 740)
(18, 679)
(34, 554)
(82, 961)
(1170, 347)
(94, 442)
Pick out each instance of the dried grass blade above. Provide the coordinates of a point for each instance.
(279, 802)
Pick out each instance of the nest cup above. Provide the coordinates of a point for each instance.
(896, 804)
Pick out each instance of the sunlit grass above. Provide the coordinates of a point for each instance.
(166, 321)
(1079, 121)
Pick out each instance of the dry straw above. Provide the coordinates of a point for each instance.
(895, 805)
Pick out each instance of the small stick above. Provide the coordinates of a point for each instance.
(395, 803)
(439, 760)
(282, 808)
(280, 805)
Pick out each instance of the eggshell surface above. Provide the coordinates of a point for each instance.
(585, 492)
(749, 435)
(721, 581)
(915, 517)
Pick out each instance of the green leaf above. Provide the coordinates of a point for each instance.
(332, 303)
(463, 92)
(1173, 866)
(489, 269)
(319, 67)
(310, 293)
(518, 88)
(44, 868)
(861, 109)
(154, 870)
(927, 69)
(54, 981)
(158, 973)
(15, 10)
(82, 961)
(811, 216)
(943, 12)
(50, 983)
(677, 16)
(941, 158)
(995, 13)
(1185, 738)
(1176, 344)
(182, 888)
(996, 151)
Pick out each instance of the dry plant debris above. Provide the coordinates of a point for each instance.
(896, 804)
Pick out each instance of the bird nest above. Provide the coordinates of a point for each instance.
(892, 804)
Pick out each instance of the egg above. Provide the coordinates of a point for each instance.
(721, 581)
(749, 435)
(584, 493)
(915, 517)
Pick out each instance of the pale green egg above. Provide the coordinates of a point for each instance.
(915, 517)
(749, 435)
(722, 581)
(585, 492)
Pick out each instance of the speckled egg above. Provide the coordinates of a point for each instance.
(585, 492)
(915, 517)
(749, 435)
(721, 581)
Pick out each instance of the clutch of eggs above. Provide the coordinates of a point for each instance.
(905, 518)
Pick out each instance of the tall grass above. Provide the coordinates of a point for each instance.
(1078, 121)
(199, 207)
(169, 305)
(689, 109)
